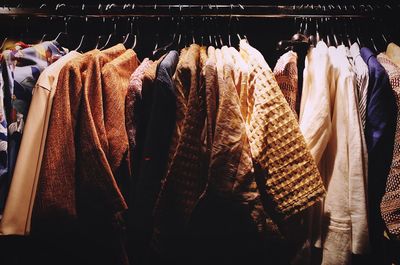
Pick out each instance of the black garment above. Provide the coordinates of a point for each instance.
(156, 142)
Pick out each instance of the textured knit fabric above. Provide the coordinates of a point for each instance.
(157, 141)
(18, 210)
(361, 71)
(379, 135)
(186, 176)
(286, 76)
(21, 69)
(393, 52)
(316, 103)
(115, 77)
(390, 204)
(66, 178)
(132, 102)
(344, 222)
(292, 180)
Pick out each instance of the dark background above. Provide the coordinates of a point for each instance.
(263, 33)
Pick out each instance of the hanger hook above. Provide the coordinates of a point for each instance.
(60, 5)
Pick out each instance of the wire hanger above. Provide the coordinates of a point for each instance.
(299, 42)
(83, 43)
(130, 35)
(112, 37)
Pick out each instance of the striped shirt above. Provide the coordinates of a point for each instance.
(362, 77)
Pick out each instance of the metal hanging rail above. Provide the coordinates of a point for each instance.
(237, 10)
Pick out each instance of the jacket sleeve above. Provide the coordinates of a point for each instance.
(55, 198)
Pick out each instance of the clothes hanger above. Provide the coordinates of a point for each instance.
(176, 38)
(192, 31)
(186, 37)
(220, 39)
(347, 33)
(84, 43)
(202, 32)
(299, 42)
(130, 35)
(112, 38)
(157, 39)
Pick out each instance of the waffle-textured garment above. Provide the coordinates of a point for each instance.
(286, 76)
(185, 180)
(393, 52)
(278, 148)
(390, 204)
(132, 101)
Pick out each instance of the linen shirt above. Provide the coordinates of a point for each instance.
(344, 221)
(316, 103)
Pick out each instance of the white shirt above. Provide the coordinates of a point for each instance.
(344, 224)
(315, 112)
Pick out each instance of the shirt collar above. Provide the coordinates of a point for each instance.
(393, 52)
(355, 50)
(366, 54)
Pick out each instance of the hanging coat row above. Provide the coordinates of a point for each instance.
(201, 156)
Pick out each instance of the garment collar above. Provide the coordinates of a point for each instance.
(355, 50)
(366, 54)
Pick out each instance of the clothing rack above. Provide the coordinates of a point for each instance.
(232, 10)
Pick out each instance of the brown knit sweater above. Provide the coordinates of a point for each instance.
(75, 172)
